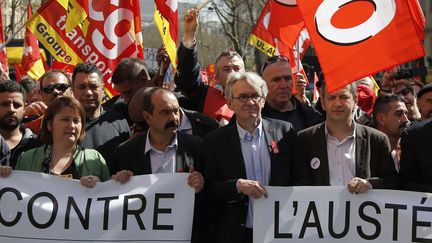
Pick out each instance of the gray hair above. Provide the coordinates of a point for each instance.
(253, 79)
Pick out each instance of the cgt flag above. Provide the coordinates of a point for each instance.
(4, 68)
(166, 18)
(354, 39)
(278, 27)
(113, 32)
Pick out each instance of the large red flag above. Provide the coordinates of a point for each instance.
(31, 62)
(4, 68)
(166, 18)
(354, 39)
(277, 28)
(111, 32)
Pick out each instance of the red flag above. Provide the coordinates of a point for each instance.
(111, 32)
(277, 28)
(4, 68)
(31, 62)
(285, 21)
(63, 66)
(304, 42)
(354, 39)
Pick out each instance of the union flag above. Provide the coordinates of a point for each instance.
(354, 39)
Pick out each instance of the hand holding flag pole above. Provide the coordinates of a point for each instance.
(202, 5)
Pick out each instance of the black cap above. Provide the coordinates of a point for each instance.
(424, 90)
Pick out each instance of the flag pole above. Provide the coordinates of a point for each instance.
(298, 54)
(12, 36)
(16, 32)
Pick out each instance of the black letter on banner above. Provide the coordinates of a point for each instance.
(19, 214)
(84, 221)
(370, 220)
(311, 209)
(158, 211)
(395, 208)
(136, 212)
(347, 221)
(278, 235)
(416, 224)
(53, 213)
(106, 209)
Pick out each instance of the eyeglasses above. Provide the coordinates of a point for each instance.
(274, 59)
(50, 88)
(244, 98)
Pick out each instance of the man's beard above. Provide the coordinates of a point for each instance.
(8, 125)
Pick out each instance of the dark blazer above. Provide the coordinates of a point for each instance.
(130, 156)
(201, 124)
(416, 158)
(225, 165)
(373, 159)
(188, 79)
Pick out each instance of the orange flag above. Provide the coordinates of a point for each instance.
(4, 68)
(354, 39)
(166, 18)
(31, 62)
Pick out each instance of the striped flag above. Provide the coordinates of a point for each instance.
(31, 62)
(166, 18)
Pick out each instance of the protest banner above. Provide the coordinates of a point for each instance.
(332, 214)
(110, 32)
(37, 207)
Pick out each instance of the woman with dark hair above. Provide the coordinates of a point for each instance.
(62, 131)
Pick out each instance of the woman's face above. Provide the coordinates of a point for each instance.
(66, 126)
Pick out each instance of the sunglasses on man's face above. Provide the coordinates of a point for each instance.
(50, 88)
(274, 59)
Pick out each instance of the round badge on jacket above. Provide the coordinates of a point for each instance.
(315, 163)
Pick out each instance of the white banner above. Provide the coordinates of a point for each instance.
(37, 207)
(332, 214)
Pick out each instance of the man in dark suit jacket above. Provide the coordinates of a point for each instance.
(162, 149)
(191, 122)
(244, 156)
(415, 164)
(341, 152)
(200, 96)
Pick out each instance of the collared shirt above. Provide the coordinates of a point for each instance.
(185, 124)
(256, 159)
(341, 158)
(162, 161)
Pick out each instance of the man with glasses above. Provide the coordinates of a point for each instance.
(255, 152)
(201, 97)
(280, 103)
(53, 84)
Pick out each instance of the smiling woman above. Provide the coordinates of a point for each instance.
(62, 155)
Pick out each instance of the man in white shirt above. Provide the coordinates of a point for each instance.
(341, 152)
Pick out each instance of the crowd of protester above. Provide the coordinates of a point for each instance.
(248, 132)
